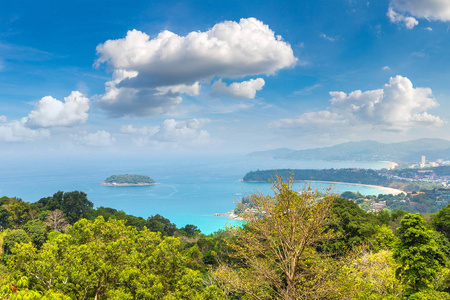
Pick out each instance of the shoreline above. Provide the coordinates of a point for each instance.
(127, 184)
(230, 215)
(388, 190)
(392, 165)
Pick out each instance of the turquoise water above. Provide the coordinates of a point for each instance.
(192, 189)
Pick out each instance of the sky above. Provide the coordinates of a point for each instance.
(220, 76)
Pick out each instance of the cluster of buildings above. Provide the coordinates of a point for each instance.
(424, 174)
(431, 164)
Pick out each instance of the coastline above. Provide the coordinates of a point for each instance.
(127, 184)
(392, 165)
(388, 190)
(230, 215)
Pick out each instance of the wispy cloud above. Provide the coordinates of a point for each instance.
(328, 38)
(307, 90)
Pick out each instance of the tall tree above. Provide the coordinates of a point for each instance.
(417, 253)
(19, 212)
(441, 221)
(276, 248)
(75, 206)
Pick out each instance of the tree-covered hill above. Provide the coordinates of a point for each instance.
(362, 176)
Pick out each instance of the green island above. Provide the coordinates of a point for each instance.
(128, 180)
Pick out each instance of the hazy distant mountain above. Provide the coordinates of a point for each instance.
(271, 153)
(367, 151)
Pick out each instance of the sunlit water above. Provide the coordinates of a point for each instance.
(192, 190)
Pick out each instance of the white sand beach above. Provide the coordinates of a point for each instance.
(392, 165)
(387, 190)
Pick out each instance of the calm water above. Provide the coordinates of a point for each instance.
(192, 190)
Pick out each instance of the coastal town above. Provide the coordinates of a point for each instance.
(434, 172)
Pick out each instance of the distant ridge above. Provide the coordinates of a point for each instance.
(409, 151)
(271, 153)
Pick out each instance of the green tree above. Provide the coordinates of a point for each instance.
(370, 276)
(417, 253)
(189, 230)
(384, 238)
(4, 218)
(441, 221)
(158, 223)
(75, 206)
(353, 225)
(36, 231)
(14, 237)
(19, 212)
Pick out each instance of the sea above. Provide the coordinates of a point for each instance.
(192, 189)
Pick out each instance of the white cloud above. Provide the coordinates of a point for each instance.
(386, 68)
(189, 132)
(192, 90)
(307, 90)
(3, 119)
(151, 74)
(326, 37)
(431, 10)
(395, 17)
(144, 130)
(244, 89)
(50, 112)
(100, 138)
(170, 133)
(429, 29)
(398, 106)
(311, 119)
(128, 101)
(16, 131)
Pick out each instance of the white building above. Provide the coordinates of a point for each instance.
(422, 164)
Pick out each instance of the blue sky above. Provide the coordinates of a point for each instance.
(220, 76)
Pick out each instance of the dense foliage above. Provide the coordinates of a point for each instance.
(294, 245)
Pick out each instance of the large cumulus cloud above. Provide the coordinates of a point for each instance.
(50, 112)
(405, 11)
(398, 106)
(151, 74)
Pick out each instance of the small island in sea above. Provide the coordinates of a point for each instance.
(128, 180)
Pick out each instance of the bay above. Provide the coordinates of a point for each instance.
(191, 190)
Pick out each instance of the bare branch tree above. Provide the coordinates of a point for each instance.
(55, 219)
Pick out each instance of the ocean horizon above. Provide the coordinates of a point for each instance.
(191, 190)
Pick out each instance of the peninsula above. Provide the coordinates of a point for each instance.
(128, 180)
